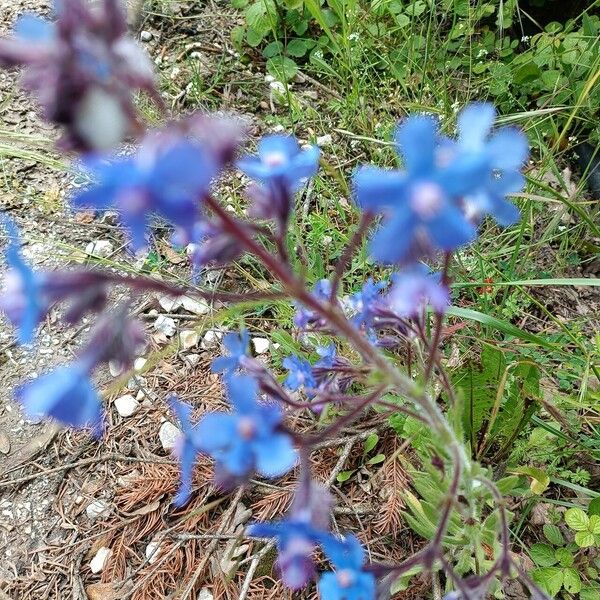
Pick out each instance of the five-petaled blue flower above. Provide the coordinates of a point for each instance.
(420, 205)
(364, 303)
(328, 356)
(416, 288)
(305, 316)
(296, 542)
(506, 151)
(166, 179)
(67, 395)
(186, 449)
(250, 438)
(299, 373)
(349, 581)
(237, 344)
(281, 161)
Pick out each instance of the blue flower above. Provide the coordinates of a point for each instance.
(349, 581)
(237, 344)
(416, 288)
(304, 316)
(280, 160)
(420, 205)
(67, 395)
(186, 449)
(249, 438)
(506, 151)
(167, 181)
(299, 373)
(296, 542)
(22, 299)
(328, 356)
(364, 303)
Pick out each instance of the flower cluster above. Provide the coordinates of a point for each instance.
(83, 70)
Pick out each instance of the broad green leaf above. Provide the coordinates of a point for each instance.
(576, 519)
(344, 476)
(589, 593)
(527, 73)
(543, 555)
(377, 459)
(584, 539)
(370, 443)
(507, 484)
(272, 49)
(550, 579)
(539, 480)
(594, 507)
(282, 68)
(553, 535)
(571, 581)
(298, 48)
(254, 38)
(564, 557)
(594, 525)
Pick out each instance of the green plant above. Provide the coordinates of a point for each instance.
(565, 562)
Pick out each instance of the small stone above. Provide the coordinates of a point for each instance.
(165, 325)
(324, 140)
(169, 303)
(146, 36)
(98, 508)
(4, 442)
(168, 435)
(127, 405)
(98, 562)
(196, 307)
(211, 339)
(261, 345)
(188, 338)
(205, 594)
(192, 359)
(139, 364)
(110, 217)
(152, 551)
(101, 248)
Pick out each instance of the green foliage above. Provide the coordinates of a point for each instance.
(568, 566)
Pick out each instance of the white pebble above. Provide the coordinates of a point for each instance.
(324, 140)
(211, 339)
(98, 508)
(146, 36)
(188, 338)
(98, 562)
(101, 248)
(139, 364)
(152, 551)
(165, 325)
(169, 303)
(127, 405)
(196, 307)
(261, 345)
(168, 435)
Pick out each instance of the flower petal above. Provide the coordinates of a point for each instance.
(275, 455)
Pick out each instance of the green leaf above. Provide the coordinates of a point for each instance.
(539, 480)
(550, 579)
(507, 484)
(584, 539)
(594, 507)
(553, 535)
(294, 4)
(527, 73)
(254, 38)
(564, 557)
(594, 525)
(589, 593)
(402, 20)
(272, 49)
(576, 519)
(344, 476)
(378, 458)
(282, 68)
(370, 443)
(571, 581)
(299, 48)
(543, 555)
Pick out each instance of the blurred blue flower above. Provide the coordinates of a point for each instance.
(416, 288)
(299, 373)
(67, 395)
(420, 205)
(349, 581)
(21, 299)
(296, 542)
(506, 151)
(328, 356)
(247, 439)
(305, 316)
(186, 449)
(280, 160)
(237, 345)
(168, 180)
(364, 303)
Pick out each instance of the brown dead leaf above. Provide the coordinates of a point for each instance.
(171, 255)
(102, 591)
(33, 447)
(85, 217)
(145, 510)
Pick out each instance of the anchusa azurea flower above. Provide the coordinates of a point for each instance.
(364, 303)
(83, 70)
(167, 177)
(237, 346)
(415, 288)
(299, 375)
(251, 438)
(305, 317)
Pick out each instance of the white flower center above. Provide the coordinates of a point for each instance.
(427, 199)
